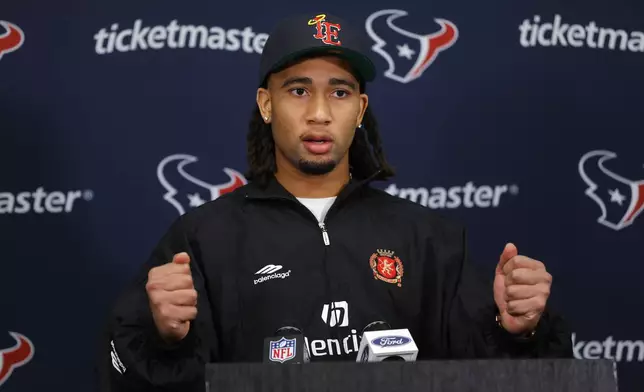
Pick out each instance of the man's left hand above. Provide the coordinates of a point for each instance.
(521, 290)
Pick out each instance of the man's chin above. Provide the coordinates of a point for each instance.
(316, 168)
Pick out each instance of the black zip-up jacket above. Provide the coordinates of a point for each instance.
(260, 261)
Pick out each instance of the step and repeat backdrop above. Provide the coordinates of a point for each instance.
(523, 119)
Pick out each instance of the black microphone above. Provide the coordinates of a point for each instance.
(381, 343)
(376, 326)
(287, 346)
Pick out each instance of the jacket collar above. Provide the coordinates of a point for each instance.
(275, 190)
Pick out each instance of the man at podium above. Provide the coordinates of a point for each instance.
(308, 243)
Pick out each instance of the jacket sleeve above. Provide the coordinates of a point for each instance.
(139, 360)
(471, 328)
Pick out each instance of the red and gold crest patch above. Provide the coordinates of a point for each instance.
(326, 31)
(386, 266)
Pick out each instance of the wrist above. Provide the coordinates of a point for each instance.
(524, 335)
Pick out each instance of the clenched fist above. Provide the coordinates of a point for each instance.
(173, 298)
(521, 290)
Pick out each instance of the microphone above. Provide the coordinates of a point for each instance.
(287, 346)
(381, 343)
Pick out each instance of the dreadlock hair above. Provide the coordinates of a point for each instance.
(366, 154)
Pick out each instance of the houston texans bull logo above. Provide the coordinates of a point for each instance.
(186, 192)
(16, 356)
(11, 37)
(407, 54)
(620, 199)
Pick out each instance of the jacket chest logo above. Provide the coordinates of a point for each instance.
(387, 267)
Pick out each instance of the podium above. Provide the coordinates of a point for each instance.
(525, 375)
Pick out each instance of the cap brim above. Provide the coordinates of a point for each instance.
(361, 64)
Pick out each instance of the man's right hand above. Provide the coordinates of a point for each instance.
(173, 298)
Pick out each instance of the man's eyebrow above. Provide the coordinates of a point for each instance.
(297, 80)
(309, 81)
(344, 82)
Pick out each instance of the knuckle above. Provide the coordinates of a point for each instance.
(153, 287)
(164, 311)
(546, 290)
(155, 300)
(511, 291)
(512, 307)
(153, 272)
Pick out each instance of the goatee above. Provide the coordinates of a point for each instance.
(316, 168)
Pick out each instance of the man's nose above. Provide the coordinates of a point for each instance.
(319, 110)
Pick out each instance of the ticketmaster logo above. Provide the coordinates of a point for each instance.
(558, 33)
(174, 35)
(619, 350)
(469, 195)
(41, 201)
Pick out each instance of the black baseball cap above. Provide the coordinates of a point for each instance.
(302, 36)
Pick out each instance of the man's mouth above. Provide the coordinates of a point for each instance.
(317, 139)
(317, 144)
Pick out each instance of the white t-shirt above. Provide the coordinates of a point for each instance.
(318, 206)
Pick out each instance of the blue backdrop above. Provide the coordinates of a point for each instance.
(523, 119)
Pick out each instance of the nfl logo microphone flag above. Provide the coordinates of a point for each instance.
(522, 122)
(282, 350)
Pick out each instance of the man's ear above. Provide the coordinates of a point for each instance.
(364, 102)
(264, 103)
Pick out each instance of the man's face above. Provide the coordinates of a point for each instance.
(314, 108)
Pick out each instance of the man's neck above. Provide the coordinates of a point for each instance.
(309, 186)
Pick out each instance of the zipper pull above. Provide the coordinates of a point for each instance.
(325, 235)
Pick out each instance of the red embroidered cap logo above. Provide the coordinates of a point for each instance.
(386, 266)
(326, 32)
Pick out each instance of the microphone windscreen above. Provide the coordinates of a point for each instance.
(283, 349)
(387, 345)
